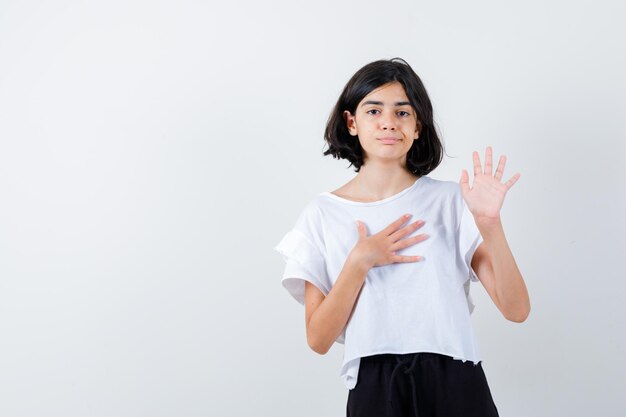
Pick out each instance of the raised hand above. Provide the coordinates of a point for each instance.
(486, 196)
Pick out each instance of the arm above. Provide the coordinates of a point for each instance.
(496, 268)
(327, 316)
(493, 260)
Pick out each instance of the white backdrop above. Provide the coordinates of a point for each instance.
(153, 152)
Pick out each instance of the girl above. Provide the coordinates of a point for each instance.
(397, 300)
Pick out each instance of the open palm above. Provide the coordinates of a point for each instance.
(486, 196)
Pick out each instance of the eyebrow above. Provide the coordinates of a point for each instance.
(380, 103)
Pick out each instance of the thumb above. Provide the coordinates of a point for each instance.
(359, 228)
(464, 182)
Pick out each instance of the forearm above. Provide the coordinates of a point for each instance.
(331, 316)
(511, 290)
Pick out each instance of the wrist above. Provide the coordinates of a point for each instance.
(357, 264)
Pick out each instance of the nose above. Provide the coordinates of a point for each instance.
(387, 122)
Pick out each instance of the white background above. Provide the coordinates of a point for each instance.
(153, 152)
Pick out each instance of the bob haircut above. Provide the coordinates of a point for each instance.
(425, 154)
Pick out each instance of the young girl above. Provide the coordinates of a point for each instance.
(397, 294)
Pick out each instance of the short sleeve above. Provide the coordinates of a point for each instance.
(469, 239)
(303, 262)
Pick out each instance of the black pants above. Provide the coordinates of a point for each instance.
(421, 385)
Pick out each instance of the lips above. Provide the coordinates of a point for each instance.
(389, 140)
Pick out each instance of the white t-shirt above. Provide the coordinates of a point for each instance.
(421, 306)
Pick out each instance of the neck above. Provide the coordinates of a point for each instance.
(377, 181)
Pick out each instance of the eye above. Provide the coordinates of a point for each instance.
(406, 113)
(368, 112)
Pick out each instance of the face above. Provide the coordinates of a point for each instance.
(385, 123)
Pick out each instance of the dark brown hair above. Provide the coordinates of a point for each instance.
(425, 154)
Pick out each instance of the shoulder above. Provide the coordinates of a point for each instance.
(450, 200)
(309, 218)
(446, 188)
(313, 206)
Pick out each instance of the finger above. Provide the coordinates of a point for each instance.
(405, 243)
(464, 183)
(477, 167)
(395, 225)
(362, 229)
(400, 258)
(513, 180)
(500, 169)
(406, 230)
(488, 164)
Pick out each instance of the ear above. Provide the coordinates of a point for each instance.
(350, 122)
(418, 129)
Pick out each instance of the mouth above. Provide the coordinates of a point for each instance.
(389, 140)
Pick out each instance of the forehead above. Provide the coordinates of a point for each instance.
(391, 94)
